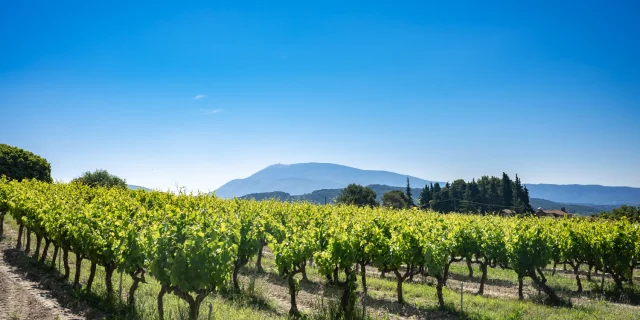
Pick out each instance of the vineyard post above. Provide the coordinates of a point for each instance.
(364, 305)
(461, 296)
(602, 283)
(210, 309)
(120, 297)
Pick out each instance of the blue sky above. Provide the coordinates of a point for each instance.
(441, 90)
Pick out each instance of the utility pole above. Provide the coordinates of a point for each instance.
(325, 201)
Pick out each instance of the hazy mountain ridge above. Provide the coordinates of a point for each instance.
(305, 178)
(134, 187)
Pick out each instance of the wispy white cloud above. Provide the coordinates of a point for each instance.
(210, 111)
(199, 96)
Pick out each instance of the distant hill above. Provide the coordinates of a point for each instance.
(585, 194)
(584, 209)
(134, 187)
(319, 197)
(305, 178)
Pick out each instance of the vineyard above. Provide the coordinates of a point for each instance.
(195, 245)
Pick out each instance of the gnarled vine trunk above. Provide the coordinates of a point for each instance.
(439, 286)
(2, 224)
(76, 280)
(27, 248)
(520, 295)
(470, 268)
(259, 268)
(108, 275)
(36, 254)
(553, 297)
(161, 294)
(236, 269)
(293, 311)
(20, 231)
(65, 261)
(92, 275)
(347, 300)
(194, 303)
(131, 298)
(55, 256)
(483, 279)
(399, 281)
(45, 251)
(303, 270)
(576, 272)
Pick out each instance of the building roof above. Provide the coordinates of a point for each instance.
(557, 213)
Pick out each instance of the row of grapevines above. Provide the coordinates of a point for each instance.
(194, 244)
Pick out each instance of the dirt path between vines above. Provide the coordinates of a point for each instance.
(21, 298)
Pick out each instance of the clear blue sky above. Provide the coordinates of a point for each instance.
(450, 89)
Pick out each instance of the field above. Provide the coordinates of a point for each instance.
(196, 256)
(270, 296)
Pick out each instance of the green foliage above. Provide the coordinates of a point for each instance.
(19, 164)
(101, 178)
(355, 194)
(191, 243)
(507, 191)
(623, 212)
(410, 202)
(425, 197)
(395, 199)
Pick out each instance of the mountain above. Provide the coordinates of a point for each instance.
(585, 194)
(134, 187)
(307, 177)
(304, 178)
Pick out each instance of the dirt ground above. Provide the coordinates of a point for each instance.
(21, 298)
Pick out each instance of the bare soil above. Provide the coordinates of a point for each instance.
(20, 297)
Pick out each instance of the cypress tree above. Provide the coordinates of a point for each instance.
(470, 198)
(425, 197)
(410, 203)
(526, 203)
(507, 191)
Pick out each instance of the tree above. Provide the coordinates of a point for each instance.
(425, 197)
(628, 212)
(395, 199)
(355, 194)
(527, 204)
(471, 198)
(100, 178)
(507, 191)
(409, 198)
(457, 190)
(19, 164)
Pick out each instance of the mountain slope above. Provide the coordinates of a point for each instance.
(307, 177)
(304, 178)
(588, 194)
(583, 209)
(134, 187)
